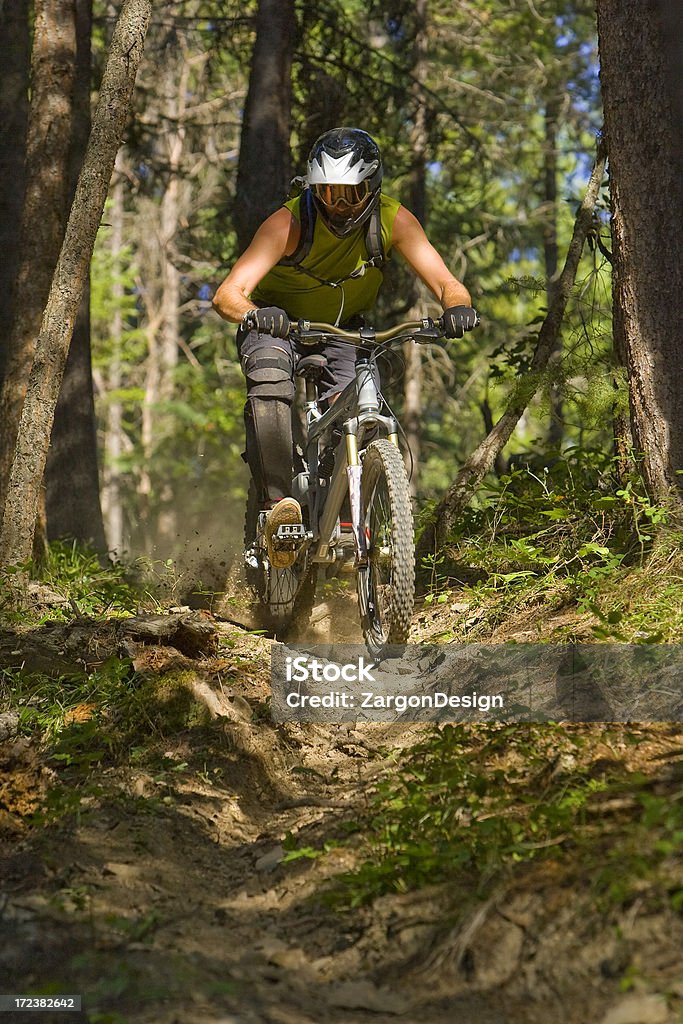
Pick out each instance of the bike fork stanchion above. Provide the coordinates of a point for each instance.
(353, 472)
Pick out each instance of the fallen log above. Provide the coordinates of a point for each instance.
(82, 646)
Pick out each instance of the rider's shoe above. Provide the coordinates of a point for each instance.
(286, 512)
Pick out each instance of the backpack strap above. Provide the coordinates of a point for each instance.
(373, 238)
(307, 224)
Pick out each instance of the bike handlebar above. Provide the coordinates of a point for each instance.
(310, 332)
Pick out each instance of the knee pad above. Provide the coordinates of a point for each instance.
(269, 373)
(268, 426)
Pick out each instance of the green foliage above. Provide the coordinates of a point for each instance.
(93, 587)
(112, 294)
(69, 713)
(88, 722)
(293, 851)
(87, 584)
(454, 809)
(648, 848)
(470, 803)
(560, 530)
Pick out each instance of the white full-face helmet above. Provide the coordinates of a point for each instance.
(345, 177)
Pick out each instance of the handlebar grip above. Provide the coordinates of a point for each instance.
(267, 320)
(477, 321)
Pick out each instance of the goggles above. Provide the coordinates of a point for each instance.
(339, 197)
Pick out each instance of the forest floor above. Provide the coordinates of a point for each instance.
(145, 857)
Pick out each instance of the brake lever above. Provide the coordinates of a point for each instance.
(311, 338)
(301, 332)
(431, 330)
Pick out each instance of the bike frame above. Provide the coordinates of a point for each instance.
(356, 408)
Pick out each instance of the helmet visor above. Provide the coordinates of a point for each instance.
(342, 198)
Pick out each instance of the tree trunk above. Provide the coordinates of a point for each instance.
(159, 504)
(552, 109)
(172, 210)
(482, 459)
(672, 32)
(71, 474)
(14, 78)
(264, 168)
(500, 463)
(412, 376)
(418, 134)
(45, 204)
(112, 505)
(621, 422)
(643, 142)
(69, 281)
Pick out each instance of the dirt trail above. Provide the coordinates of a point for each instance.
(162, 897)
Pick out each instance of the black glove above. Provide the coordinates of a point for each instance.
(458, 319)
(271, 320)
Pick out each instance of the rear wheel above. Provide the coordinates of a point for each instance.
(386, 586)
(284, 596)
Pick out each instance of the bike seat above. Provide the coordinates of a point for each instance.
(311, 367)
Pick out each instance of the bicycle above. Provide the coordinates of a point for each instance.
(350, 449)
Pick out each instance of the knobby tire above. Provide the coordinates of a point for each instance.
(386, 588)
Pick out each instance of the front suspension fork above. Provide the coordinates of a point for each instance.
(353, 473)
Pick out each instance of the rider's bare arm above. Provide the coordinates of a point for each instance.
(409, 238)
(278, 236)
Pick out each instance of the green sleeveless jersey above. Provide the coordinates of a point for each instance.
(331, 259)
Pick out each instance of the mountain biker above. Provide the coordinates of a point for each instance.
(311, 260)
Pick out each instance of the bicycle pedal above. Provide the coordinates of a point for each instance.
(290, 533)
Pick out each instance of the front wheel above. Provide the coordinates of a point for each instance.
(386, 585)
